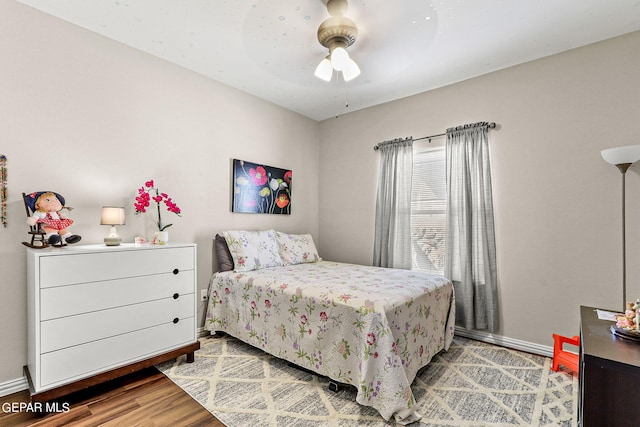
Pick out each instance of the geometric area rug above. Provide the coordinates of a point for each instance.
(473, 384)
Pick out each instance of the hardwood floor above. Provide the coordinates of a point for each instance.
(145, 398)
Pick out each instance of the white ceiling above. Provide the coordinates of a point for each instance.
(269, 48)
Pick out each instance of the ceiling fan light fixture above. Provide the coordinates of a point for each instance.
(324, 70)
(340, 59)
(352, 71)
(337, 33)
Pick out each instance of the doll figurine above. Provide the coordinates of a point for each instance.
(47, 209)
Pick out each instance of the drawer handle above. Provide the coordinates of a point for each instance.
(176, 271)
(176, 295)
(176, 320)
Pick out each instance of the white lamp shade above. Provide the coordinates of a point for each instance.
(324, 70)
(621, 155)
(112, 215)
(339, 59)
(352, 71)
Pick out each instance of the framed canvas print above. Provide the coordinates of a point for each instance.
(259, 188)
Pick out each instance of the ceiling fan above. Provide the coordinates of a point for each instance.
(336, 34)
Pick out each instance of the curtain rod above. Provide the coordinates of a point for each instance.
(491, 125)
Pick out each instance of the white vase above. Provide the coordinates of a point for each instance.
(161, 237)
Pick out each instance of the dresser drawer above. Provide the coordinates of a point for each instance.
(86, 297)
(71, 268)
(85, 360)
(70, 331)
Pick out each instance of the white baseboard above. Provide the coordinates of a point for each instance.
(13, 386)
(529, 347)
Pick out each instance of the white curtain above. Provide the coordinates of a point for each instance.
(470, 261)
(392, 242)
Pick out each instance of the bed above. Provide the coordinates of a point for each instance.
(370, 327)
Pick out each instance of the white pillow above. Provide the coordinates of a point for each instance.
(253, 250)
(297, 248)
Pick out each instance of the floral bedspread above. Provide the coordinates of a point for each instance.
(370, 327)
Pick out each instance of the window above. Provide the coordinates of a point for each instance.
(428, 209)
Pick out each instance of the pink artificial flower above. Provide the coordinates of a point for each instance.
(143, 199)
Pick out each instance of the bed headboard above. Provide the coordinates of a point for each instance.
(223, 255)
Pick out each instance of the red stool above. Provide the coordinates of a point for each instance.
(563, 357)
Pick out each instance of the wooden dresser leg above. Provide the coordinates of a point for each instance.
(190, 357)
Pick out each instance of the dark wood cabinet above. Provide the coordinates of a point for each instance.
(609, 375)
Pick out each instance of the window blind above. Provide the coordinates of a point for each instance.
(428, 209)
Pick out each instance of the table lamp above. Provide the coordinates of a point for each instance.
(112, 215)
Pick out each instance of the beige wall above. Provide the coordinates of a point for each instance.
(93, 119)
(557, 203)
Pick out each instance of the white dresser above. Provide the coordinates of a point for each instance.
(98, 312)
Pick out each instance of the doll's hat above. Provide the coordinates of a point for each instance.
(32, 198)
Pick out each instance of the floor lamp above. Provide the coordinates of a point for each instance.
(622, 158)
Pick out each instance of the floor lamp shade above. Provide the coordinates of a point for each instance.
(621, 155)
(622, 158)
